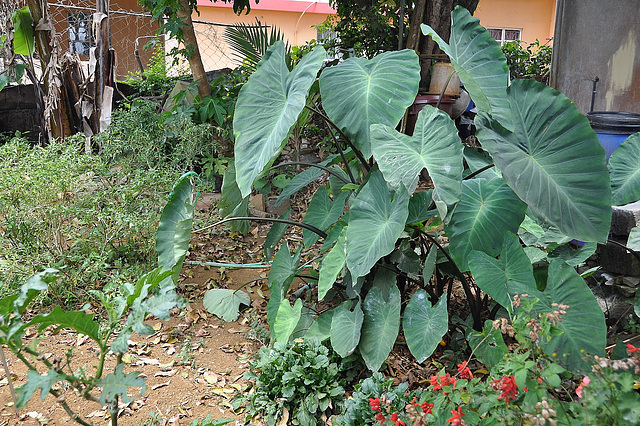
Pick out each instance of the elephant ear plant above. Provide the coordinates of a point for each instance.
(540, 182)
(154, 293)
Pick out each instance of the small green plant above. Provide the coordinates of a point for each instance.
(153, 81)
(532, 61)
(152, 294)
(301, 382)
(208, 421)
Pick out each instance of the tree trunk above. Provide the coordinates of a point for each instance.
(437, 15)
(195, 60)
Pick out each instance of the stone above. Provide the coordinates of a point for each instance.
(617, 260)
(257, 202)
(277, 211)
(624, 218)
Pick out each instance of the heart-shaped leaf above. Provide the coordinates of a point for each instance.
(378, 91)
(482, 69)
(225, 303)
(346, 327)
(376, 222)
(552, 160)
(176, 222)
(380, 326)
(286, 320)
(435, 145)
(260, 132)
(485, 213)
(424, 325)
(331, 266)
(496, 276)
(566, 287)
(322, 213)
(624, 167)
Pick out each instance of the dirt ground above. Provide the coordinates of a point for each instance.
(193, 364)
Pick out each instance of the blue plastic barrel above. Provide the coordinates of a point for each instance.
(613, 128)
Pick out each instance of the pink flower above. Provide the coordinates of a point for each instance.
(585, 381)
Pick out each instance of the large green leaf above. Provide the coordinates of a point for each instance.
(485, 213)
(268, 106)
(584, 326)
(12, 75)
(232, 203)
(321, 327)
(478, 61)
(488, 346)
(322, 213)
(23, 35)
(286, 320)
(225, 303)
(176, 222)
(380, 326)
(281, 275)
(76, 320)
(275, 234)
(117, 384)
(424, 325)
(495, 277)
(435, 145)
(36, 381)
(552, 160)
(346, 327)
(332, 265)
(376, 222)
(360, 92)
(624, 167)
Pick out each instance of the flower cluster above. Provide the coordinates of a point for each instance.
(393, 419)
(508, 386)
(438, 382)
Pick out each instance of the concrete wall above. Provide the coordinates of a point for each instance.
(593, 39)
(535, 18)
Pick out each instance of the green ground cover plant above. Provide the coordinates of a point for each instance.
(92, 220)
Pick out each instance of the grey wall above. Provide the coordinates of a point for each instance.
(596, 38)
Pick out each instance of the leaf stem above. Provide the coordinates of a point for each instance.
(358, 154)
(303, 163)
(267, 219)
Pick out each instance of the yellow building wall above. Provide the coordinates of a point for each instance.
(535, 18)
(297, 28)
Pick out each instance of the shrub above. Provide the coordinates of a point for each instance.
(301, 380)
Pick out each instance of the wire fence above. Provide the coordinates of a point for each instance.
(130, 31)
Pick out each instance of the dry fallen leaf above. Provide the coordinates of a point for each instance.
(161, 385)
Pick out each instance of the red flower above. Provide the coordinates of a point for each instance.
(464, 371)
(508, 387)
(394, 419)
(456, 419)
(380, 417)
(632, 349)
(439, 381)
(426, 407)
(375, 404)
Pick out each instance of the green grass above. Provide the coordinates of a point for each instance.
(61, 208)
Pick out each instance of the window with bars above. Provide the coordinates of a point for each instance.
(80, 32)
(504, 34)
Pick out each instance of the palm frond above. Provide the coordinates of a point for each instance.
(250, 42)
